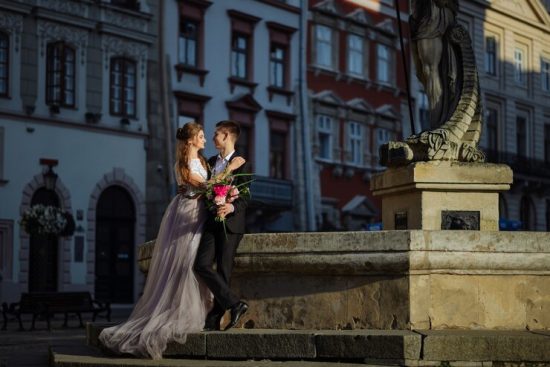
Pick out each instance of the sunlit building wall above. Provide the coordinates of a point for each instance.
(512, 45)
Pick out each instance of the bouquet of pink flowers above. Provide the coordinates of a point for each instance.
(222, 190)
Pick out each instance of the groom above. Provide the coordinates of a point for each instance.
(215, 245)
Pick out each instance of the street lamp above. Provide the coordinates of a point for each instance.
(50, 177)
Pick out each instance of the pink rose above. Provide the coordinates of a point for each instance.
(221, 190)
(219, 200)
(233, 194)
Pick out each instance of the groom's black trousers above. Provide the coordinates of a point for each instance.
(216, 247)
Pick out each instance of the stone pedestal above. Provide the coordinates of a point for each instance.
(442, 195)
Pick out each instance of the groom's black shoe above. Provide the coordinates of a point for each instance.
(237, 311)
(212, 323)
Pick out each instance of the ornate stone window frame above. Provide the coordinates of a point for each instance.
(125, 63)
(244, 110)
(191, 105)
(65, 51)
(194, 11)
(281, 123)
(280, 36)
(243, 25)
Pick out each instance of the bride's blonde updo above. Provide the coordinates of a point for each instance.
(183, 134)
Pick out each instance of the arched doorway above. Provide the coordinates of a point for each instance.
(114, 259)
(43, 252)
(527, 214)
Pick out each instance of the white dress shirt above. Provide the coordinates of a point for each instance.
(221, 163)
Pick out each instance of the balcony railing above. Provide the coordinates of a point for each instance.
(518, 163)
(272, 192)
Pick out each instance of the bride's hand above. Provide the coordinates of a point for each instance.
(236, 163)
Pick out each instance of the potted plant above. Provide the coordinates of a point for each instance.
(43, 221)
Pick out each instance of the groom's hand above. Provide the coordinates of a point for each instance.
(225, 210)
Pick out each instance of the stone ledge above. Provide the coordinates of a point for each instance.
(502, 346)
(390, 252)
(400, 347)
(369, 344)
(261, 344)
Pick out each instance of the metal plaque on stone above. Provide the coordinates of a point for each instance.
(460, 219)
(401, 221)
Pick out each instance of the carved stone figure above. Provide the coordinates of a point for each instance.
(445, 64)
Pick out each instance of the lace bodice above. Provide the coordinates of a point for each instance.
(195, 166)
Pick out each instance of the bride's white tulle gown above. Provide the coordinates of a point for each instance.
(174, 302)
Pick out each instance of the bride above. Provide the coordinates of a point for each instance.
(174, 302)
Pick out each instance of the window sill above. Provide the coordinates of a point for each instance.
(318, 69)
(326, 160)
(358, 77)
(281, 91)
(233, 81)
(182, 68)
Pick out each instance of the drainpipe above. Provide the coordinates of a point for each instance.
(306, 142)
(165, 100)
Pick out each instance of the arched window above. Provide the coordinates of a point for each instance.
(527, 214)
(4, 64)
(60, 75)
(123, 87)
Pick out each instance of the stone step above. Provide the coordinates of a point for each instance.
(349, 345)
(72, 356)
(380, 347)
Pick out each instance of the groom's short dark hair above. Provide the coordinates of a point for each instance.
(230, 126)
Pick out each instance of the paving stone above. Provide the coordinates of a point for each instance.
(271, 344)
(468, 345)
(356, 344)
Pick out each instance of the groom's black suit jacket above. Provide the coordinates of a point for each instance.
(236, 221)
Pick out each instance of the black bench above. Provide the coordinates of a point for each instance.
(50, 303)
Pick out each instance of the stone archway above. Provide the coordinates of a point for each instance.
(116, 177)
(64, 258)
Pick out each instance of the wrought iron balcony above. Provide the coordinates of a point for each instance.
(519, 164)
(271, 192)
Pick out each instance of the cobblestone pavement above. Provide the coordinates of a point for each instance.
(30, 348)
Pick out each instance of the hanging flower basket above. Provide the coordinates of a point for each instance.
(43, 221)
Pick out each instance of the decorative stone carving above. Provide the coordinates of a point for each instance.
(13, 24)
(66, 6)
(125, 21)
(359, 15)
(328, 6)
(48, 32)
(113, 46)
(445, 62)
(388, 26)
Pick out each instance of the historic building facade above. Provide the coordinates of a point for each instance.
(239, 60)
(512, 43)
(357, 101)
(73, 81)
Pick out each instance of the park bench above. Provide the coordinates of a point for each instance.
(49, 303)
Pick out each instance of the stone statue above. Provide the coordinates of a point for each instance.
(445, 64)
